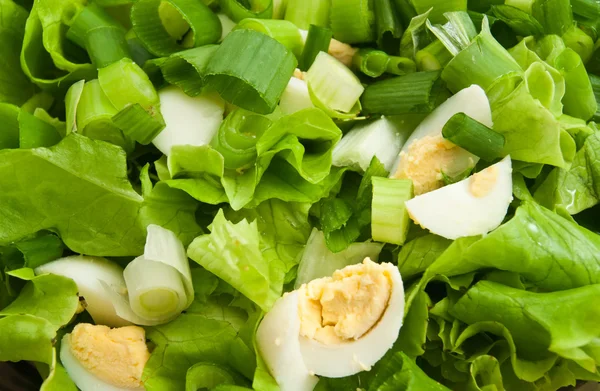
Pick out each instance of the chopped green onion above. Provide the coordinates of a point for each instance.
(415, 36)
(579, 100)
(88, 18)
(71, 103)
(317, 40)
(474, 137)
(137, 124)
(352, 21)
(595, 80)
(125, 83)
(279, 8)
(483, 62)
(34, 132)
(389, 29)
(589, 9)
(439, 8)
(554, 15)
(400, 66)
(405, 10)
(389, 216)
(176, 26)
(205, 26)
(433, 57)
(282, 31)
(371, 62)
(9, 117)
(303, 13)
(138, 51)
(186, 69)
(237, 136)
(242, 9)
(520, 22)
(457, 34)
(418, 92)
(580, 42)
(106, 45)
(333, 86)
(238, 70)
(94, 117)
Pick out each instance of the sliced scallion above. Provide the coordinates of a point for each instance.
(389, 216)
(186, 69)
(106, 45)
(457, 34)
(251, 70)
(579, 100)
(125, 83)
(352, 21)
(333, 86)
(371, 62)
(238, 10)
(595, 80)
(147, 23)
(580, 42)
(283, 31)
(317, 40)
(85, 19)
(519, 21)
(433, 57)
(137, 124)
(303, 13)
(388, 27)
(400, 66)
(418, 92)
(474, 137)
(555, 16)
(438, 8)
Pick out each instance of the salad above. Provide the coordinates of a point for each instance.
(287, 195)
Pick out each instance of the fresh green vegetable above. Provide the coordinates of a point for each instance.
(389, 220)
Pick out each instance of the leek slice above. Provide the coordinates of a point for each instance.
(303, 13)
(282, 31)
(238, 10)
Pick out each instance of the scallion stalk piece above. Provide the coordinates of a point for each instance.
(100, 34)
(371, 62)
(251, 70)
(457, 34)
(283, 31)
(555, 16)
(317, 40)
(474, 137)
(580, 42)
(186, 69)
(519, 21)
(589, 9)
(418, 92)
(147, 23)
(352, 21)
(438, 8)
(389, 217)
(595, 81)
(433, 57)
(125, 83)
(579, 100)
(303, 13)
(333, 87)
(388, 27)
(238, 10)
(137, 124)
(400, 66)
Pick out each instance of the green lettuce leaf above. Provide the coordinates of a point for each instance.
(400, 373)
(15, 88)
(206, 376)
(236, 254)
(418, 254)
(293, 163)
(51, 61)
(49, 296)
(577, 188)
(83, 194)
(553, 253)
(539, 322)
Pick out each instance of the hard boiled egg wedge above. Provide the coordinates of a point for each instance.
(88, 272)
(98, 358)
(474, 206)
(426, 156)
(334, 326)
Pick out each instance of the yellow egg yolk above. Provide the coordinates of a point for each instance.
(426, 159)
(345, 306)
(116, 356)
(483, 182)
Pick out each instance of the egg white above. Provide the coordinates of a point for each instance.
(453, 211)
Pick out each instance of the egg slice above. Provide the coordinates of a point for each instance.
(474, 206)
(188, 120)
(88, 272)
(426, 156)
(98, 358)
(334, 326)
